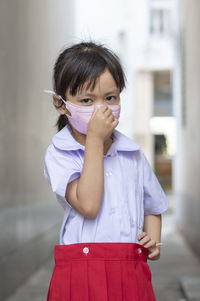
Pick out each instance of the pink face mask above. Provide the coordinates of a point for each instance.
(81, 114)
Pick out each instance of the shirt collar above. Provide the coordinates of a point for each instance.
(65, 141)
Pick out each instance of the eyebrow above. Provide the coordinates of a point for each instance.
(91, 94)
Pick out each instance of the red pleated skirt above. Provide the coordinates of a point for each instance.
(101, 272)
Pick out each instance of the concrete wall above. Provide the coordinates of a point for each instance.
(31, 33)
(187, 95)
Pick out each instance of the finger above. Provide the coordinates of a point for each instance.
(155, 253)
(103, 108)
(94, 112)
(141, 235)
(111, 117)
(145, 240)
(150, 244)
(115, 123)
(108, 112)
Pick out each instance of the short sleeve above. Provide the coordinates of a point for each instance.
(60, 168)
(155, 200)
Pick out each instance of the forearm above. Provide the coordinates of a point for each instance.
(152, 226)
(91, 183)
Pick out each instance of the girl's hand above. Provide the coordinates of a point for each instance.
(102, 123)
(147, 242)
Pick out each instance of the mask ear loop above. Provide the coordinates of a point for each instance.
(53, 93)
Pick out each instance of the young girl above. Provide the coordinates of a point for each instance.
(111, 197)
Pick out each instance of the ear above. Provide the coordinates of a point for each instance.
(60, 105)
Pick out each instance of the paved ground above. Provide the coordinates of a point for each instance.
(176, 261)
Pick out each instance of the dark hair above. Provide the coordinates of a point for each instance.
(82, 62)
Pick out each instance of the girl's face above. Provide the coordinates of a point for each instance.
(105, 92)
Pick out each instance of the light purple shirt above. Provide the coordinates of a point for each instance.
(131, 189)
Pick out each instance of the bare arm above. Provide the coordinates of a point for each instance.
(91, 183)
(85, 194)
(152, 226)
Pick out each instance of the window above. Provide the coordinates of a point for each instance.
(160, 17)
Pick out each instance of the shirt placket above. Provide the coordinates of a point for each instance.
(109, 177)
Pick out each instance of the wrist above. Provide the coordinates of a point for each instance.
(90, 137)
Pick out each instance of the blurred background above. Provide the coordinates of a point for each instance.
(158, 43)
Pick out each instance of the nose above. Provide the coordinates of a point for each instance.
(100, 103)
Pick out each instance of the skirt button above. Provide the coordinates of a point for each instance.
(139, 250)
(85, 250)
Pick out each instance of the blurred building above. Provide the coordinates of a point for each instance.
(187, 109)
(154, 120)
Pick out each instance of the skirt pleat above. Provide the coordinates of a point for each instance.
(113, 267)
(129, 281)
(79, 281)
(97, 280)
(101, 272)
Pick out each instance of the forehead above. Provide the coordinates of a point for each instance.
(104, 83)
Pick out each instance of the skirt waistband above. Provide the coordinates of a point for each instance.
(100, 250)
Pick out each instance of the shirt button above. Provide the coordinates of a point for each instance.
(85, 250)
(107, 174)
(110, 173)
(139, 250)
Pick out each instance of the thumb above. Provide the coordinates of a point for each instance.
(94, 112)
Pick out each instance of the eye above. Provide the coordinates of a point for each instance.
(85, 100)
(111, 98)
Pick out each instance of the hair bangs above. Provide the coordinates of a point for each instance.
(89, 68)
